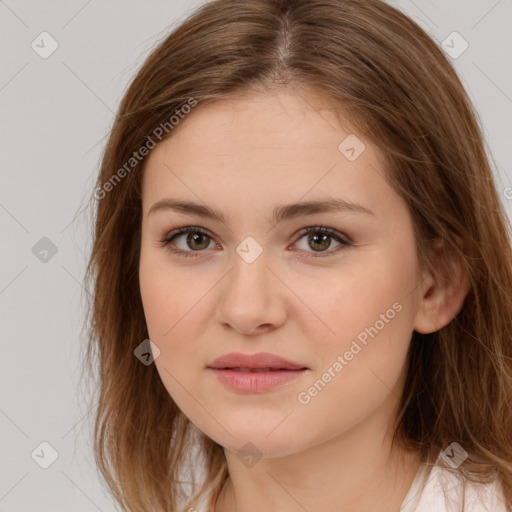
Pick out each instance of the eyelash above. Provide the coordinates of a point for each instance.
(314, 229)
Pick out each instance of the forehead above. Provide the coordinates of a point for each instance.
(263, 147)
(280, 118)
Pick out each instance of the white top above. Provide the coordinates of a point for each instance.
(441, 492)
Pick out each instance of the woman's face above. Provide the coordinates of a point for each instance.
(257, 283)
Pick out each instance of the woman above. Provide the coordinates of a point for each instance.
(301, 270)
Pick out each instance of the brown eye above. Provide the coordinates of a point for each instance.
(196, 241)
(319, 239)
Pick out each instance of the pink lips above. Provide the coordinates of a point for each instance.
(260, 360)
(255, 373)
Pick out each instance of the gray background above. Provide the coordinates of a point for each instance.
(56, 114)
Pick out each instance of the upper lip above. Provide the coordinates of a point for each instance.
(260, 360)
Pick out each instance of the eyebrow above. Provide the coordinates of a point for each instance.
(279, 214)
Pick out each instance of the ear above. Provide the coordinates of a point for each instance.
(443, 291)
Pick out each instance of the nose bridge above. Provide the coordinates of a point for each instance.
(250, 266)
(247, 293)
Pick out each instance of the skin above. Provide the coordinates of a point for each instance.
(243, 156)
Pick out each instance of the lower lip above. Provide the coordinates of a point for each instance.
(256, 382)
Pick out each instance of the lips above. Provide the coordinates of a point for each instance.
(260, 362)
(253, 369)
(256, 373)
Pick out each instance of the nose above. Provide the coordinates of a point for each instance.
(252, 299)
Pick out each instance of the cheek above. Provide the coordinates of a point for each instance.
(360, 367)
(368, 316)
(173, 302)
(168, 301)
(348, 304)
(167, 295)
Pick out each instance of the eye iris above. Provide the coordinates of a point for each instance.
(319, 238)
(314, 236)
(194, 236)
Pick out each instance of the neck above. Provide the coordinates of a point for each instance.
(359, 471)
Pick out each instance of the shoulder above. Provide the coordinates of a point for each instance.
(201, 506)
(446, 491)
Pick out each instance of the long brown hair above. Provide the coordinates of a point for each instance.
(393, 82)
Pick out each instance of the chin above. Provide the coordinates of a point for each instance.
(256, 444)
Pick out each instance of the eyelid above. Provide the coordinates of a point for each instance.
(343, 240)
